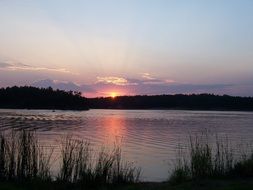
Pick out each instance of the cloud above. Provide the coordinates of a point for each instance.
(147, 76)
(169, 81)
(149, 79)
(4, 65)
(151, 85)
(11, 66)
(101, 89)
(114, 80)
(159, 81)
(120, 81)
(63, 85)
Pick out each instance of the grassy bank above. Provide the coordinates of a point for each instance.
(24, 164)
(237, 184)
(23, 161)
(212, 160)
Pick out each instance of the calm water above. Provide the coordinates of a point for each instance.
(149, 138)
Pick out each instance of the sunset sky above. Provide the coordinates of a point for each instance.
(127, 47)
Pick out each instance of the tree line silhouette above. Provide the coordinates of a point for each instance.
(46, 98)
(178, 101)
(41, 98)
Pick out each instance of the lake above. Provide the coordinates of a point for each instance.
(149, 138)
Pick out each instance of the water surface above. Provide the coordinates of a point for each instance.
(150, 138)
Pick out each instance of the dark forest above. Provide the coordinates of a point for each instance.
(47, 98)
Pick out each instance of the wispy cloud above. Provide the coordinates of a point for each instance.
(4, 65)
(114, 80)
(101, 89)
(158, 81)
(63, 85)
(149, 79)
(147, 76)
(12, 66)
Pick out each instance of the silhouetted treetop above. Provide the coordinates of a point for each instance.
(41, 98)
(47, 98)
(179, 101)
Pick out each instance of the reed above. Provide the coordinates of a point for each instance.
(21, 158)
(75, 161)
(124, 172)
(77, 165)
(211, 160)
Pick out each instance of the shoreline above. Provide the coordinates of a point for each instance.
(205, 184)
(129, 109)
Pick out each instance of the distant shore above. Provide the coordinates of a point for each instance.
(50, 99)
(174, 102)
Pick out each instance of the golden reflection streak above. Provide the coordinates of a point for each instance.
(114, 128)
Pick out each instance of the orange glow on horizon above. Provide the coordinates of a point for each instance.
(113, 94)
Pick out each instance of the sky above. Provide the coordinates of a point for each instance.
(128, 47)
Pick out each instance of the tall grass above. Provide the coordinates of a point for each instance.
(211, 160)
(123, 172)
(75, 160)
(21, 158)
(77, 165)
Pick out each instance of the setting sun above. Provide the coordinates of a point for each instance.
(113, 94)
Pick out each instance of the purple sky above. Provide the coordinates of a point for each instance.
(128, 47)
